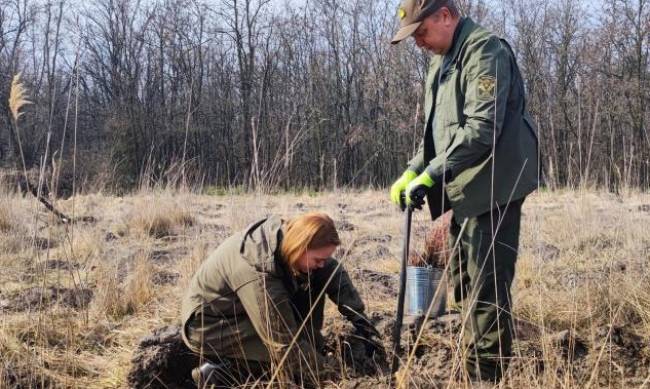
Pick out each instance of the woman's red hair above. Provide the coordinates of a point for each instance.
(313, 230)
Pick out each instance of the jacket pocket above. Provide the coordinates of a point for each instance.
(444, 134)
(446, 99)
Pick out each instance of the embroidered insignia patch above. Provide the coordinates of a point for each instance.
(486, 87)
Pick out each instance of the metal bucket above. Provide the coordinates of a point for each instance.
(421, 285)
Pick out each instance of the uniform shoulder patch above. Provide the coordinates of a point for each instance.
(486, 87)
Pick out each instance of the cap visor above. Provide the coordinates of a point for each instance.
(405, 32)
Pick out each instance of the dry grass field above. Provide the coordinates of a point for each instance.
(76, 300)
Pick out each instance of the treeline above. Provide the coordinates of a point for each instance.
(269, 94)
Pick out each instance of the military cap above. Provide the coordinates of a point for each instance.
(411, 14)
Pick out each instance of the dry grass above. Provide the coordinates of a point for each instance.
(159, 216)
(125, 293)
(188, 265)
(14, 227)
(82, 247)
(582, 268)
(7, 220)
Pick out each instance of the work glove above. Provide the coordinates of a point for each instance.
(398, 188)
(417, 189)
(365, 330)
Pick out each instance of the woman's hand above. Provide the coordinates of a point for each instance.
(372, 338)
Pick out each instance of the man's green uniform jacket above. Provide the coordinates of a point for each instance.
(478, 137)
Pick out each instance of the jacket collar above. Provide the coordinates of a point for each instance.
(260, 242)
(465, 27)
(261, 245)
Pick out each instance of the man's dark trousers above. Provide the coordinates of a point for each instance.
(481, 270)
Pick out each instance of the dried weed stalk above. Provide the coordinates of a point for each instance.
(17, 97)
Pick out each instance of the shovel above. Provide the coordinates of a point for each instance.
(399, 317)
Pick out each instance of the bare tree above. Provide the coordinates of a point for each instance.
(245, 92)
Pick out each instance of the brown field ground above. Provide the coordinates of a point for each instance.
(75, 301)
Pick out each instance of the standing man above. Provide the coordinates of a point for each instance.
(479, 157)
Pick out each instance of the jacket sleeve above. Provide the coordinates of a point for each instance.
(266, 302)
(342, 292)
(485, 82)
(416, 164)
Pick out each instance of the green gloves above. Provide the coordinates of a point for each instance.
(417, 189)
(411, 188)
(399, 187)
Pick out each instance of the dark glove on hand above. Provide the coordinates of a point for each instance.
(417, 189)
(365, 330)
(363, 327)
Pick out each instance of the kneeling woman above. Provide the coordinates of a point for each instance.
(248, 300)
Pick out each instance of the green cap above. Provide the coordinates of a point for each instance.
(411, 14)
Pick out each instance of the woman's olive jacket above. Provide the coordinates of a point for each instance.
(245, 282)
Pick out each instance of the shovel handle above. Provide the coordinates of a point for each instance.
(399, 317)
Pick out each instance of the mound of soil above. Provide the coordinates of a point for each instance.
(58, 264)
(164, 277)
(433, 352)
(570, 346)
(168, 256)
(430, 367)
(377, 252)
(385, 238)
(629, 351)
(162, 361)
(36, 297)
(360, 357)
(43, 243)
(545, 252)
(379, 282)
(345, 225)
(613, 345)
